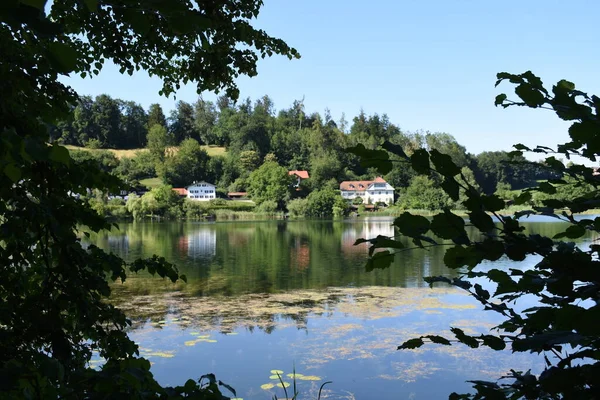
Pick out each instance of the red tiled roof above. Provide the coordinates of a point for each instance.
(300, 174)
(356, 185)
(180, 191)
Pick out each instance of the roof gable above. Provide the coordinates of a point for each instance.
(299, 174)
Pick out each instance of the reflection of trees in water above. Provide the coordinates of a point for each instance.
(268, 312)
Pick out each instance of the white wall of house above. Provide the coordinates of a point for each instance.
(379, 192)
(202, 191)
(375, 192)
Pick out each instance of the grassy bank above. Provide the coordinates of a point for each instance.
(129, 153)
(395, 212)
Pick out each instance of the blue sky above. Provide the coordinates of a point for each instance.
(428, 64)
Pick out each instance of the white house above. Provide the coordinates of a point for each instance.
(371, 192)
(202, 191)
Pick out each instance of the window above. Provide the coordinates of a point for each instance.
(352, 186)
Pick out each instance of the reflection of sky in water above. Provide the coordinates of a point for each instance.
(264, 296)
(347, 335)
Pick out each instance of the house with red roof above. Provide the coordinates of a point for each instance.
(300, 175)
(371, 192)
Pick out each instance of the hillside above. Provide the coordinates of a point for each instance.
(121, 153)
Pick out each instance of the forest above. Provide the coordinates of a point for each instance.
(262, 141)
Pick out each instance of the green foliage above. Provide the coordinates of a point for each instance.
(270, 182)
(423, 193)
(267, 207)
(157, 143)
(297, 207)
(321, 203)
(54, 291)
(188, 165)
(564, 283)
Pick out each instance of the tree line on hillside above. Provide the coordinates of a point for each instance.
(259, 139)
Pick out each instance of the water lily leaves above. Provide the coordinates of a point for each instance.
(160, 354)
(276, 371)
(274, 376)
(190, 343)
(267, 386)
(200, 339)
(309, 378)
(293, 376)
(283, 384)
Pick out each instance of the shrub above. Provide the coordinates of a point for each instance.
(267, 207)
(298, 207)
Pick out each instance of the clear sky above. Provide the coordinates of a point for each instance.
(428, 64)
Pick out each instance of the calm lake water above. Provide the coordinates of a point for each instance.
(279, 295)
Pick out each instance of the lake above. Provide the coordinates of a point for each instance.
(285, 295)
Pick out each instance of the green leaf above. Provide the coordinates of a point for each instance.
(64, 57)
(92, 5)
(545, 187)
(463, 338)
(380, 260)
(459, 256)
(523, 198)
(39, 4)
(530, 96)
(13, 172)
(420, 161)
(411, 344)
(572, 232)
(493, 203)
(500, 99)
(505, 283)
(449, 226)
(60, 154)
(438, 339)
(481, 292)
(412, 225)
(493, 342)
(450, 186)
(482, 221)
(394, 149)
(384, 242)
(378, 159)
(444, 164)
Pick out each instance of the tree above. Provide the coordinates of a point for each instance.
(188, 165)
(134, 125)
(157, 143)
(249, 160)
(205, 119)
(423, 193)
(156, 116)
(270, 182)
(321, 203)
(181, 123)
(562, 286)
(54, 314)
(106, 117)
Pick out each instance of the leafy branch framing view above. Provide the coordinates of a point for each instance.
(565, 282)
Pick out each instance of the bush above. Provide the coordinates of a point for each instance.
(93, 144)
(267, 207)
(218, 202)
(297, 207)
(357, 201)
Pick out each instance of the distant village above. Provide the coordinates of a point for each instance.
(371, 192)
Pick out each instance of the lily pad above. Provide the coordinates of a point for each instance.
(309, 378)
(299, 376)
(190, 342)
(160, 354)
(232, 333)
(267, 386)
(194, 333)
(284, 385)
(274, 377)
(207, 340)
(276, 371)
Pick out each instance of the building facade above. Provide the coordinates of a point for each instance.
(202, 191)
(371, 192)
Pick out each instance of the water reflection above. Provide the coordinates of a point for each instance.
(284, 293)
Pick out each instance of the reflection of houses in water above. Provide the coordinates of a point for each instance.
(119, 244)
(202, 243)
(300, 255)
(368, 230)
